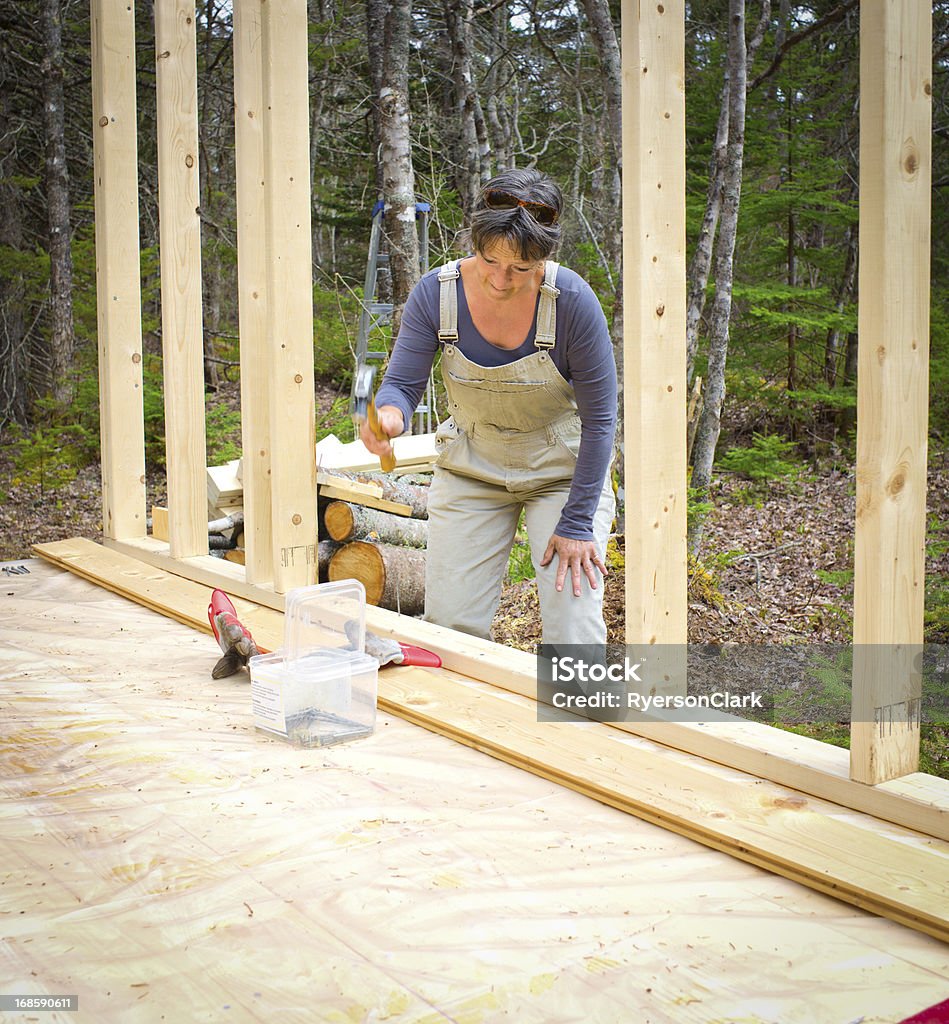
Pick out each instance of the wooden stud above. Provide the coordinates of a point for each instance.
(654, 318)
(290, 285)
(180, 239)
(118, 285)
(893, 391)
(253, 304)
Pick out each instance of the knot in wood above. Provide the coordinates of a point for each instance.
(910, 158)
(296, 519)
(792, 803)
(103, 121)
(897, 482)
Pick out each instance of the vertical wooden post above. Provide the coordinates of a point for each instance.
(654, 318)
(290, 292)
(180, 239)
(118, 284)
(252, 289)
(893, 384)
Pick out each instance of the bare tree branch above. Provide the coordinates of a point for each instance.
(837, 14)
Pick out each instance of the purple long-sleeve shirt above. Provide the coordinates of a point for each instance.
(583, 355)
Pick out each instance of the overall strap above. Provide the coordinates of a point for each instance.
(546, 335)
(448, 303)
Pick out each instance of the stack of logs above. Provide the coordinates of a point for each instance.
(373, 527)
(375, 530)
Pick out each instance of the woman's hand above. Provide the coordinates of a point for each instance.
(578, 557)
(391, 422)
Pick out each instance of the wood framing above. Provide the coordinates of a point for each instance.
(252, 283)
(119, 309)
(893, 379)
(654, 320)
(179, 200)
(290, 290)
(275, 282)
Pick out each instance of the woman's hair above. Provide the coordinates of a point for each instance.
(517, 226)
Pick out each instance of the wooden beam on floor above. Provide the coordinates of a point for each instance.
(918, 801)
(809, 841)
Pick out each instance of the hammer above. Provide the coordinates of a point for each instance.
(364, 408)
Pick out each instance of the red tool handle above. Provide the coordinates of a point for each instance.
(412, 655)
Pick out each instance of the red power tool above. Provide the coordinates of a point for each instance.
(239, 647)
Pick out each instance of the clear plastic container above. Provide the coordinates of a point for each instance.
(320, 688)
(325, 616)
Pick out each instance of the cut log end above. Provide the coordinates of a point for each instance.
(394, 577)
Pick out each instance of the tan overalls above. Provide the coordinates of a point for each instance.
(511, 442)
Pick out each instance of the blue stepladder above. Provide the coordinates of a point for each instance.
(376, 314)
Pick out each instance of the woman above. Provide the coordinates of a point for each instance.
(528, 366)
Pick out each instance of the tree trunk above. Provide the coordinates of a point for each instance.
(792, 281)
(390, 21)
(844, 295)
(324, 109)
(701, 261)
(697, 275)
(394, 577)
(611, 78)
(62, 339)
(710, 423)
(346, 522)
(375, 37)
(497, 117)
(791, 257)
(467, 108)
(848, 417)
(14, 342)
(611, 196)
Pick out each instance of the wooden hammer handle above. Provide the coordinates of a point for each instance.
(386, 461)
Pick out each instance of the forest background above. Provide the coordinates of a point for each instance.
(432, 97)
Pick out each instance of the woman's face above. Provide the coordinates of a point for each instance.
(503, 274)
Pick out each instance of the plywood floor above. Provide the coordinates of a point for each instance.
(165, 862)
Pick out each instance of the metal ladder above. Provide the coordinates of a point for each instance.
(376, 315)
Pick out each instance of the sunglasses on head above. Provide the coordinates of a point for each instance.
(495, 199)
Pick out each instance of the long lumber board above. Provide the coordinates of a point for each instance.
(409, 450)
(756, 821)
(918, 801)
(752, 819)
